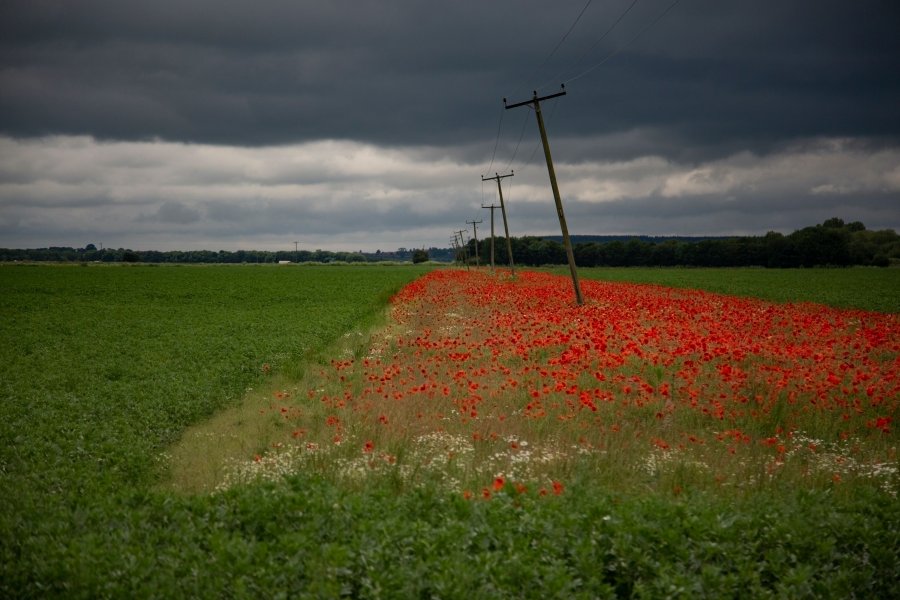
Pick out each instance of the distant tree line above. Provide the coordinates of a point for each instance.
(90, 253)
(833, 243)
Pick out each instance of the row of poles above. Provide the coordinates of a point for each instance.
(474, 224)
(535, 104)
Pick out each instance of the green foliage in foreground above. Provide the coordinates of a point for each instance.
(308, 539)
(865, 288)
(102, 367)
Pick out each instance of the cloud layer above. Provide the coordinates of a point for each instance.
(348, 195)
(367, 124)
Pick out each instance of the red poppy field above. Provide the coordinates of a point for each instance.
(487, 384)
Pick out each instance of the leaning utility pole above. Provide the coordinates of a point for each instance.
(536, 103)
(492, 207)
(462, 244)
(498, 177)
(474, 225)
(455, 249)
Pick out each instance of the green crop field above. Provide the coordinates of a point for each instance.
(104, 369)
(876, 289)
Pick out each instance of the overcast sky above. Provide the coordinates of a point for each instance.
(363, 124)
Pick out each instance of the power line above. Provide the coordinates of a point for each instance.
(626, 45)
(521, 135)
(492, 206)
(560, 43)
(579, 75)
(605, 33)
(594, 45)
(474, 225)
(537, 144)
(498, 177)
(534, 72)
(497, 141)
(535, 103)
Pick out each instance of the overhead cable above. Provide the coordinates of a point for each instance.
(626, 45)
(496, 142)
(521, 135)
(560, 43)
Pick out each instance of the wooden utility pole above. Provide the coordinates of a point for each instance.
(474, 225)
(492, 207)
(498, 177)
(536, 103)
(462, 244)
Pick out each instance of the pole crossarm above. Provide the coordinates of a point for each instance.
(535, 99)
(498, 177)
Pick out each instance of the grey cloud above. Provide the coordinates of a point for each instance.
(403, 72)
(235, 122)
(700, 215)
(177, 213)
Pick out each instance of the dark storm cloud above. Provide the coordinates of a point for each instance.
(238, 73)
(710, 75)
(366, 123)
